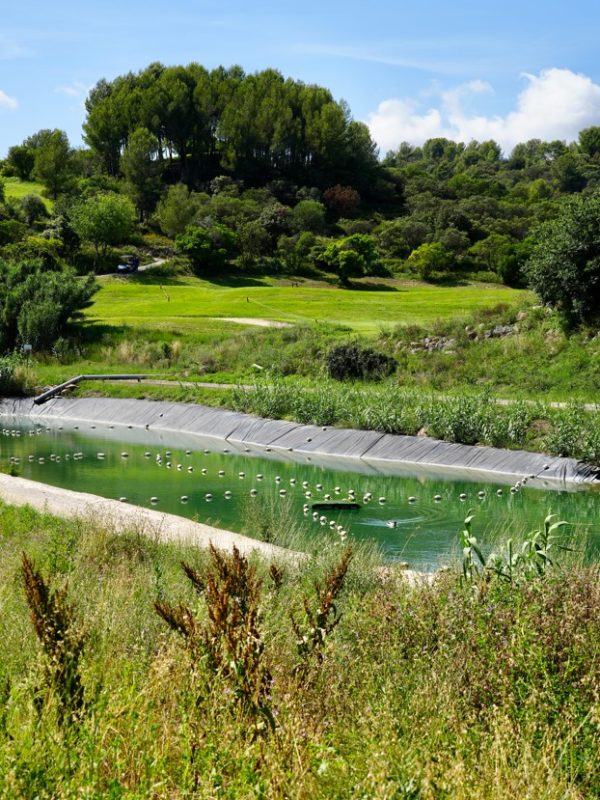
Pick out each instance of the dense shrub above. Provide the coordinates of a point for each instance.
(431, 260)
(36, 304)
(15, 378)
(209, 249)
(34, 208)
(341, 200)
(564, 267)
(353, 362)
(352, 257)
(103, 220)
(11, 230)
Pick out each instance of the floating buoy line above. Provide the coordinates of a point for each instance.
(329, 505)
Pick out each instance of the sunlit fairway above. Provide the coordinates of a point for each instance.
(18, 189)
(187, 301)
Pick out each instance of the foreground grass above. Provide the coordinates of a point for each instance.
(488, 690)
(181, 302)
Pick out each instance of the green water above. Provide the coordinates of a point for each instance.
(208, 480)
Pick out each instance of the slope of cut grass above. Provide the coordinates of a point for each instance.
(18, 189)
(184, 301)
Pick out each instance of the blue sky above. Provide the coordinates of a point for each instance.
(509, 70)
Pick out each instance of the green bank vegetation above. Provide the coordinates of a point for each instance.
(124, 675)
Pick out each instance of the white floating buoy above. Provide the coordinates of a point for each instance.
(381, 501)
(305, 484)
(124, 455)
(242, 475)
(184, 498)
(204, 471)
(221, 473)
(391, 523)
(499, 492)
(206, 452)
(462, 496)
(122, 499)
(307, 494)
(481, 495)
(100, 455)
(292, 481)
(253, 492)
(315, 516)
(282, 492)
(208, 497)
(188, 452)
(412, 499)
(277, 479)
(227, 495)
(259, 477)
(318, 487)
(437, 498)
(167, 453)
(190, 469)
(179, 467)
(154, 500)
(327, 497)
(332, 524)
(337, 490)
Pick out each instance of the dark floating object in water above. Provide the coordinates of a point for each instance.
(342, 505)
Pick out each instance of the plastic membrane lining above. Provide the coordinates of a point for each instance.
(378, 452)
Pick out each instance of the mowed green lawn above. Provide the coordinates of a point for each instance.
(18, 189)
(186, 302)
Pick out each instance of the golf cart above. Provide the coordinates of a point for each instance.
(131, 265)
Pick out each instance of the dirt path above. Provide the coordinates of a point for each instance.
(592, 407)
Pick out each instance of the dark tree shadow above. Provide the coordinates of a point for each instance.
(371, 287)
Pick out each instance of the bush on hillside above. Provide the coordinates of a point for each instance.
(36, 304)
(208, 248)
(352, 362)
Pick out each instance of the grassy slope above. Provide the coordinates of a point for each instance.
(182, 302)
(538, 362)
(500, 685)
(18, 189)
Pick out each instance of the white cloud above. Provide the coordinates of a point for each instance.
(75, 89)
(7, 102)
(556, 104)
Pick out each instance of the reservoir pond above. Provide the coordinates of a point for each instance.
(413, 517)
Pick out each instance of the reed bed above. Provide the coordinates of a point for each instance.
(467, 419)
